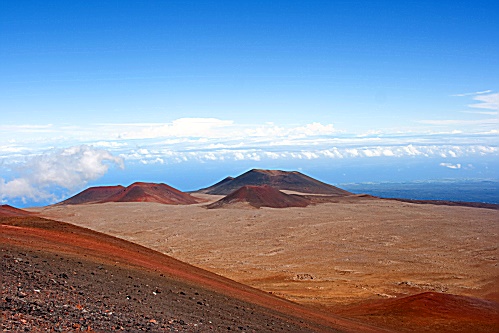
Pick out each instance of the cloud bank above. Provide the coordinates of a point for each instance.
(291, 152)
(38, 155)
(68, 169)
(210, 139)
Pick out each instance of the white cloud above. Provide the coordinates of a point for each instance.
(460, 122)
(68, 169)
(489, 101)
(27, 128)
(183, 127)
(451, 166)
(314, 129)
(110, 144)
(274, 131)
(371, 133)
(473, 93)
(12, 149)
(21, 188)
(487, 113)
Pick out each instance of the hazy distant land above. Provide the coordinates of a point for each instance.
(486, 191)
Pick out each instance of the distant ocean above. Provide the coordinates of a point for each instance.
(486, 191)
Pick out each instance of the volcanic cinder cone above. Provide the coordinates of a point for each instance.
(93, 195)
(152, 192)
(281, 180)
(261, 196)
(9, 211)
(137, 192)
(431, 312)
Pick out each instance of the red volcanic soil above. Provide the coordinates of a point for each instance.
(56, 276)
(261, 196)
(137, 192)
(7, 211)
(281, 180)
(93, 195)
(430, 312)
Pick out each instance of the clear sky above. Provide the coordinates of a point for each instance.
(114, 91)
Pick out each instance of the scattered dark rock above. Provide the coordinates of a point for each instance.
(80, 301)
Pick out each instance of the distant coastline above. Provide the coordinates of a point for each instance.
(466, 190)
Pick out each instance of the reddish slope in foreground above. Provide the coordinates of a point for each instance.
(281, 180)
(261, 196)
(60, 275)
(430, 312)
(9, 211)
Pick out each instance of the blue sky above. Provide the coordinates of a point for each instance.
(98, 92)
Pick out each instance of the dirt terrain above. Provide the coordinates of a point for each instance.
(333, 255)
(59, 277)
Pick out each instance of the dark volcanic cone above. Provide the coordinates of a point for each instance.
(281, 180)
(9, 211)
(93, 195)
(261, 196)
(152, 192)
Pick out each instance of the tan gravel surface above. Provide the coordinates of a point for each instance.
(329, 254)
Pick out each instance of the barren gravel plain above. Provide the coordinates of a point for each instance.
(330, 254)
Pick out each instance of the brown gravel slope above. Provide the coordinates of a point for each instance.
(59, 277)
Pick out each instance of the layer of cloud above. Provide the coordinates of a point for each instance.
(225, 140)
(461, 122)
(212, 128)
(489, 102)
(212, 139)
(183, 127)
(486, 113)
(69, 169)
(170, 156)
(473, 93)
